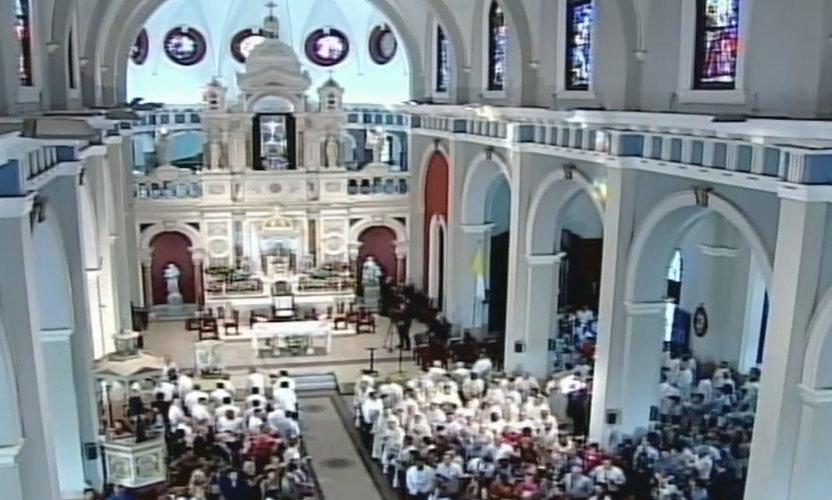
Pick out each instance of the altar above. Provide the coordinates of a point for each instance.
(292, 330)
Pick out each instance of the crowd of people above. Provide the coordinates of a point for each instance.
(224, 447)
(471, 433)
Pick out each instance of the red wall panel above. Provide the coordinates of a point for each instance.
(172, 247)
(436, 202)
(378, 242)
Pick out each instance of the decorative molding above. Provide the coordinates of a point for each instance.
(541, 260)
(55, 334)
(815, 397)
(645, 308)
(91, 151)
(9, 454)
(703, 196)
(477, 228)
(799, 192)
(717, 251)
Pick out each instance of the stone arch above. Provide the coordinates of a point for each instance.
(379, 241)
(669, 220)
(553, 194)
(817, 369)
(190, 232)
(434, 203)
(395, 226)
(54, 293)
(172, 247)
(114, 42)
(437, 256)
(485, 170)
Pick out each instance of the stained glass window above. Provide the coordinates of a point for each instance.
(244, 42)
(579, 17)
(185, 47)
(23, 33)
(717, 44)
(140, 48)
(497, 48)
(443, 61)
(70, 59)
(383, 45)
(327, 47)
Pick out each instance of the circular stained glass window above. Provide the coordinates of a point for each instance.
(244, 42)
(383, 44)
(185, 47)
(140, 48)
(327, 47)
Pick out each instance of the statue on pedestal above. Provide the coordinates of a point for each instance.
(371, 272)
(172, 274)
(331, 150)
(376, 143)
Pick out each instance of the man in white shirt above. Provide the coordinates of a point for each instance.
(283, 376)
(184, 383)
(473, 386)
(220, 393)
(175, 413)
(256, 379)
(420, 480)
(286, 399)
(227, 406)
(229, 422)
(167, 389)
(200, 413)
(256, 395)
(483, 367)
(608, 475)
(192, 397)
(371, 409)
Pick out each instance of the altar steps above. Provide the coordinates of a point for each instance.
(315, 382)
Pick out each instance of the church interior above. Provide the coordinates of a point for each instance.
(415, 250)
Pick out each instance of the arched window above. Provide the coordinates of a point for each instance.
(497, 48)
(23, 33)
(443, 61)
(70, 59)
(327, 47)
(244, 42)
(579, 17)
(185, 46)
(674, 292)
(717, 43)
(383, 45)
(140, 48)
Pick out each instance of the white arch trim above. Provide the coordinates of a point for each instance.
(687, 199)
(163, 227)
(819, 334)
(10, 419)
(481, 161)
(579, 180)
(437, 223)
(397, 227)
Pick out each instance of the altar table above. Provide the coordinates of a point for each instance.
(282, 330)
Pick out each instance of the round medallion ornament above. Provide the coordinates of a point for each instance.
(700, 321)
(383, 45)
(327, 47)
(244, 42)
(185, 46)
(140, 48)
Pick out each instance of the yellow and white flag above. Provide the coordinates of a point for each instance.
(478, 268)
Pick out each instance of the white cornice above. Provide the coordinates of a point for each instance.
(97, 150)
(717, 251)
(800, 192)
(815, 397)
(542, 260)
(15, 207)
(645, 308)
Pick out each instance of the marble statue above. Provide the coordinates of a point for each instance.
(214, 155)
(371, 272)
(331, 149)
(172, 274)
(376, 143)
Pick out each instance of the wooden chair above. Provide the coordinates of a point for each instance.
(232, 323)
(340, 319)
(209, 329)
(366, 320)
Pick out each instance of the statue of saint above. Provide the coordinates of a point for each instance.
(172, 274)
(331, 148)
(371, 272)
(376, 143)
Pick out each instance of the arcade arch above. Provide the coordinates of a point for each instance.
(435, 191)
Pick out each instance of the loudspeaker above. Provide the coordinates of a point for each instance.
(91, 451)
(519, 347)
(654, 413)
(613, 416)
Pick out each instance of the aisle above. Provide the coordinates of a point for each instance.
(339, 468)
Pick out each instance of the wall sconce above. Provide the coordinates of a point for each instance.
(38, 212)
(489, 152)
(82, 174)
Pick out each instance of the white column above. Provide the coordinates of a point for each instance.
(794, 288)
(401, 255)
(811, 477)
(32, 468)
(96, 320)
(639, 383)
(63, 404)
(612, 317)
(539, 316)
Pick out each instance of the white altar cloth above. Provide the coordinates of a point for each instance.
(281, 330)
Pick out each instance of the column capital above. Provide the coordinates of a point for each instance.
(15, 207)
(815, 397)
(645, 308)
(543, 260)
(9, 455)
(198, 255)
(56, 334)
(145, 255)
(477, 228)
(717, 251)
(401, 249)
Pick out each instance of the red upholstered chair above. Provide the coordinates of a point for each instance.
(209, 329)
(366, 321)
(232, 323)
